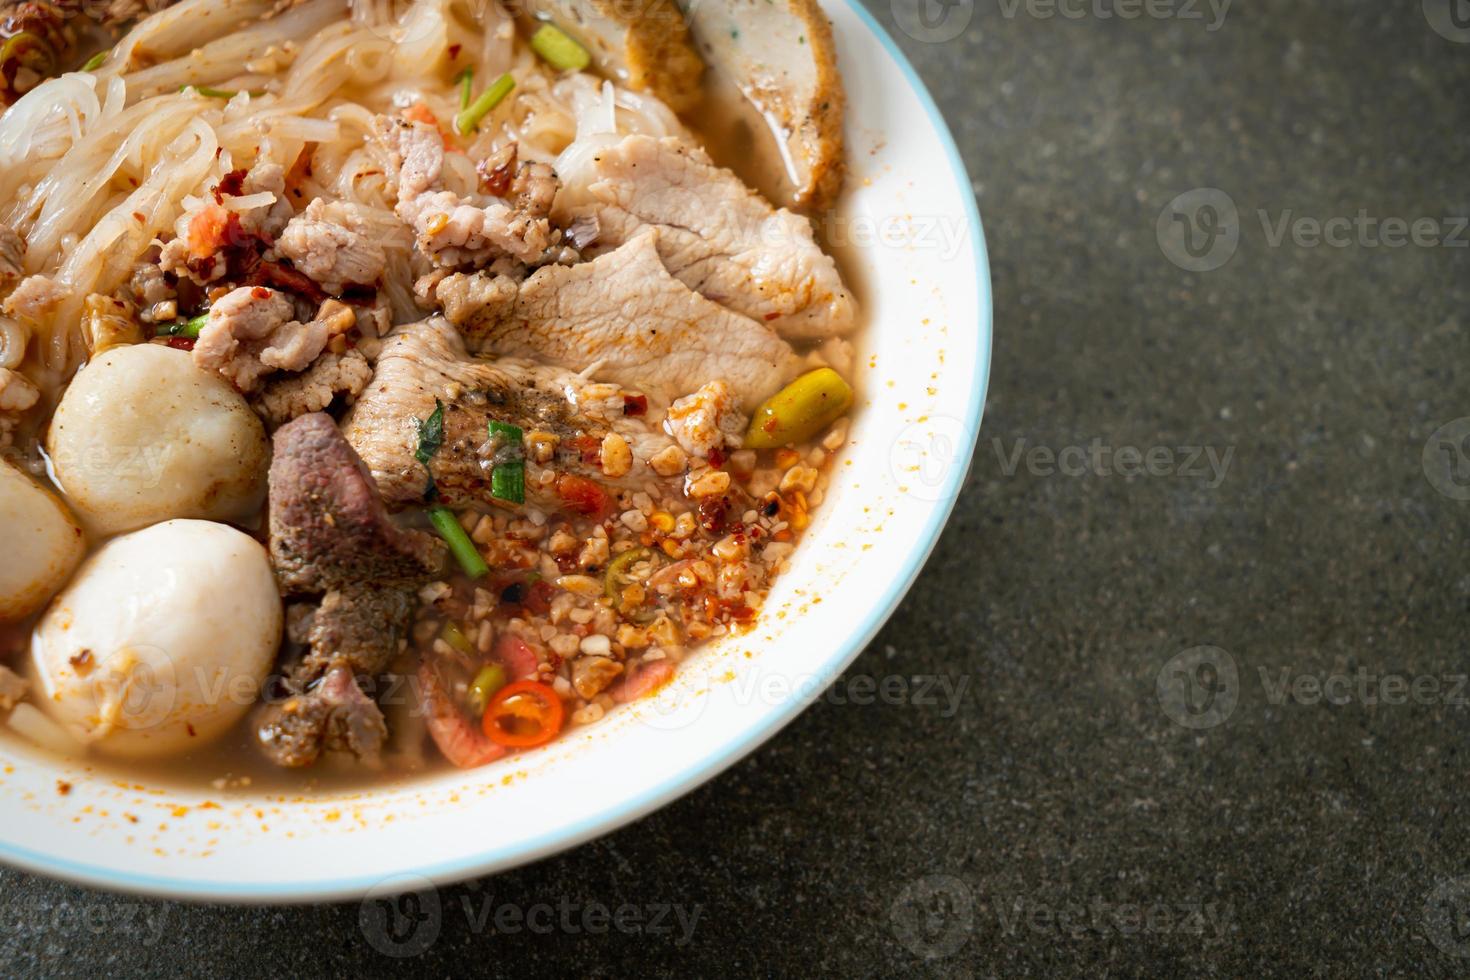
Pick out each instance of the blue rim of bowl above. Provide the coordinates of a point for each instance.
(678, 784)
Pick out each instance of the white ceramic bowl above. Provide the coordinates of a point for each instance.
(911, 219)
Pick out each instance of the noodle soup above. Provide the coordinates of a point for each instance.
(389, 387)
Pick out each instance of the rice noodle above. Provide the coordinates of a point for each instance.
(262, 200)
(44, 124)
(14, 337)
(217, 62)
(28, 721)
(181, 28)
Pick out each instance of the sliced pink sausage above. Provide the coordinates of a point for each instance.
(516, 654)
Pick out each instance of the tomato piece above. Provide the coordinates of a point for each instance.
(524, 715)
(212, 229)
(581, 494)
(418, 112)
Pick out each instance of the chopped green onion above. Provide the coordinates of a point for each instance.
(460, 545)
(455, 637)
(95, 62)
(559, 50)
(508, 483)
(506, 433)
(431, 437)
(508, 479)
(219, 93)
(469, 118)
(184, 328)
(489, 680)
(431, 434)
(466, 79)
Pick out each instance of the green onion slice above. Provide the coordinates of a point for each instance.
(459, 542)
(558, 50)
(95, 62)
(505, 433)
(487, 682)
(508, 483)
(220, 93)
(431, 437)
(466, 79)
(469, 118)
(508, 479)
(431, 434)
(184, 328)
(455, 637)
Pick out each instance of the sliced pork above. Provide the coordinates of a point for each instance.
(718, 237)
(623, 316)
(573, 428)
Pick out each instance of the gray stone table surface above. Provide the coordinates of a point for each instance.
(1201, 589)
